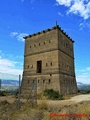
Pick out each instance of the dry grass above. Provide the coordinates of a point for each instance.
(65, 97)
(40, 96)
(31, 111)
(43, 106)
(42, 112)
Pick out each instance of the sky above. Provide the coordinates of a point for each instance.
(19, 18)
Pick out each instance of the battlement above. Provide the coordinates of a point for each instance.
(49, 29)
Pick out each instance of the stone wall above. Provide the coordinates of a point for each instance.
(43, 42)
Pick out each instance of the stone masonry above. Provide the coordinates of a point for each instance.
(49, 59)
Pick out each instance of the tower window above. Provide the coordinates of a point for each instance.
(30, 46)
(51, 63)
(44, 42)
(49, 81)
(39, 44)
(50, 74)
(38, 81)
(33, 81)
(43, 81)
(49, 41)
(46, 64)
(39, 66)
(28, 81)
(28, 66)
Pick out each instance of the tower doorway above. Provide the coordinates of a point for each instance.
(39, 66)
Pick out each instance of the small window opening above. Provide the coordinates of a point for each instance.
(43, 81)
(50, 74)
(33, 81)
(49, 41)
(49, 80)
(46, 64)
(51, 63)
(39, 66)
(28, 66)
(38, 81)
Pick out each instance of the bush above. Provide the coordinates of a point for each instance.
(84, 91)
(3, 93)
(52, 94)
(88, 91)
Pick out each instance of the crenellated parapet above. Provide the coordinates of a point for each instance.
(47, 30)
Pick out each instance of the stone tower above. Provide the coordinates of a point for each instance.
(49, 58)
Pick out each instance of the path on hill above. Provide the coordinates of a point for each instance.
(72, 100)
(79, 98)
(75, 99)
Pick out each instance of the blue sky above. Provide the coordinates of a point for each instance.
(22, 17)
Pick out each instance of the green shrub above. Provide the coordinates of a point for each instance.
(3, 93)
(51, 94)
(84, 91)
(88, 91)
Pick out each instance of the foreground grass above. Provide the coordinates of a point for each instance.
(31, 111)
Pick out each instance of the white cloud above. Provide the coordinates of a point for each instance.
(18, 36)
(84, 24)
(8, 68)
(83, 75)
(5, 62)
(88, 69)
(81, 9)
(84, 78)
(9, 76)
(64, 2)
(56, 4)
(13, 34)
(78, 7)
(60, 14)
(21, 35)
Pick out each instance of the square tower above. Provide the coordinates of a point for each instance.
(49, 58)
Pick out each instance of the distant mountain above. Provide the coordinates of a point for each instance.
(84, 87)
(10, 83)
(80, 83)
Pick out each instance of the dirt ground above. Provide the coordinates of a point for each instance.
(75, 99)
